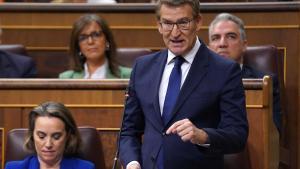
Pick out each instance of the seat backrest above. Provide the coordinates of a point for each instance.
(91, 148)
(270, 60)
(237, 160)
(126, 56)
(263, 58)
(14, 48)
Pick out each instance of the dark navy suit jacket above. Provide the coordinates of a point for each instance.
(249, 72)
(32, 162)
(16, 66)
(212, 97)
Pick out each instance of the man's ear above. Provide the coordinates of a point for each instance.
(245, 45)
(198, 21)
(159, 27)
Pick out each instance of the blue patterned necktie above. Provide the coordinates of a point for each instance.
(170, 100)
(173, 89)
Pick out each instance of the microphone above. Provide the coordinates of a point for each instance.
(116, 158)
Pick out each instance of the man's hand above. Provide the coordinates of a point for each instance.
(188, 132)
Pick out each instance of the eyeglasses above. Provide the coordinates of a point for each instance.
(93, 35)
(168, 26)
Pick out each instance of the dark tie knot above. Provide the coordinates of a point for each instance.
(179, 60)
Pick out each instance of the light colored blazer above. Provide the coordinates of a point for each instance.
(71, 74)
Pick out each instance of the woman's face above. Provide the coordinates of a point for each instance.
(49, 137)
(92, 43)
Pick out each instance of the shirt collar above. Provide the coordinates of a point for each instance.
(100, 72)
(189, 57)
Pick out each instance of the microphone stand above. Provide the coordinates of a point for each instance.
(116, 158)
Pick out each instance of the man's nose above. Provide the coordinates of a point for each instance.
(175, 31)
(223, 42)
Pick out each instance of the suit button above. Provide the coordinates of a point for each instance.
(164, 134)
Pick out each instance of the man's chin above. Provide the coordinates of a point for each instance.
(177, 50)
(224, 55)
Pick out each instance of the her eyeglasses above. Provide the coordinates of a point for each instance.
(94, 35)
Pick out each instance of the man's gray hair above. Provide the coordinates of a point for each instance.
(195, 4)
(228, 17)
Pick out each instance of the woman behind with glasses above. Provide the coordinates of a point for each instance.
(93, 51)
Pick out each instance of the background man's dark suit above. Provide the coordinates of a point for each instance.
(16, 66)
(212, 98)
(249, 72)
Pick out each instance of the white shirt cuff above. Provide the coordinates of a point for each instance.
(133, 163)
(204, 145)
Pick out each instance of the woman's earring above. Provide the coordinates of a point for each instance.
(107, 46)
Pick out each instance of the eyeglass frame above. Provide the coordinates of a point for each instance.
(94, 35)
(177, 23)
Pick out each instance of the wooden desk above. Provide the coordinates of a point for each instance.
(93, 102)
(99, 103)
(96, 103)
(45, 30)
(263, 140)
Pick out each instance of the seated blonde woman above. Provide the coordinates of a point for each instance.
(54, 138)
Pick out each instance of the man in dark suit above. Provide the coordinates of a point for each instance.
(16, 66)
(205, 116)
(227, 37)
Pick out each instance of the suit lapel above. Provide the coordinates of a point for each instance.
(110, 75)
(246, 72)
(160, 65)
(77, 75)
(196, 73)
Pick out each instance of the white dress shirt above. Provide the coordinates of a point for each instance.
(100, 72)
(185, 67)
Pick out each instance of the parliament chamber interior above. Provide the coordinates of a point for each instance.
(42, 30)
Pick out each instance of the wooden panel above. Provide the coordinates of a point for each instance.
(96, 102)
(263, 139)
(2, 147)
(255, 135)
(44, 30)
(108, 137)
(84, 116)
(99, 103)
(66, 96)
(257, 102)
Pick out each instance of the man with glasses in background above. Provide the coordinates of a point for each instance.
(187, 102)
